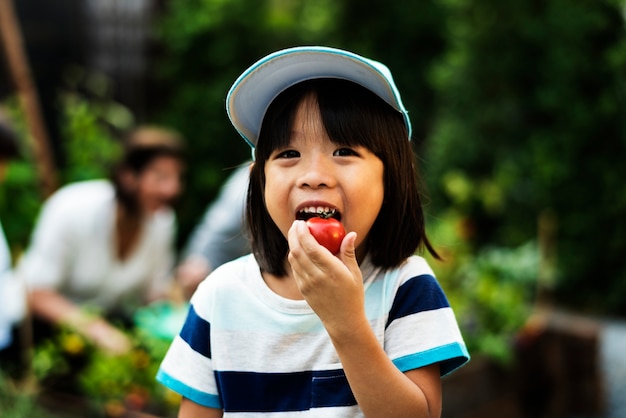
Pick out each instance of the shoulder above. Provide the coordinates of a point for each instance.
(228, 279)
(417, 289)
(88, 187)
(78, 200)
(414, 266)
(81, 194)
(231, 273)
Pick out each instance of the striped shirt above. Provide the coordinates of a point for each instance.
(253, 353)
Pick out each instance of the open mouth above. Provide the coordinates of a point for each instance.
(317, 212)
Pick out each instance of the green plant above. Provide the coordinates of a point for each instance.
(18, 402)
(90, 146)
(492, 291)
(531, 118)
(111, 384)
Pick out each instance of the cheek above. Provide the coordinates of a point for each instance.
(367, 201)
(276, 199)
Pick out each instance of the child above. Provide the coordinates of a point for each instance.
(293, 329)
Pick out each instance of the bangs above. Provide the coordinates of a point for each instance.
(351, 115)
(354, 116)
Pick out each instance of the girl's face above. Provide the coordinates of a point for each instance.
(159, 183)
(312, 173)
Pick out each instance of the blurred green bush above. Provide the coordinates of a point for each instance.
(532, 121)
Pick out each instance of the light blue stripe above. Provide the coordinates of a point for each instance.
(450, 357)
(201, 398)
(375, 307)
(251, 315)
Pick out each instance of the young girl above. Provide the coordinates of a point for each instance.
(293, 330)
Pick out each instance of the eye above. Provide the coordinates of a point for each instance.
(289, 153)
(345, 152)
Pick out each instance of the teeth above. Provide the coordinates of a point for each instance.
(319, 210)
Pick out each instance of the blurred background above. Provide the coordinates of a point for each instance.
(519, 114)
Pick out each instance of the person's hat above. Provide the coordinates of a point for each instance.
(255, 89)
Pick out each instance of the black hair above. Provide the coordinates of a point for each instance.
(351, 115)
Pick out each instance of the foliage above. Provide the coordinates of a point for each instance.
(112, 384)
(407, 38)
(531, 119)
(15, 402)
(492, 290)
(90, 147)
(20, 195)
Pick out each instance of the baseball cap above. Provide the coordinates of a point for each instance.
(256, 88)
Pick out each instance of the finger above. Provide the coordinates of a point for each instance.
(297, 255)
(303, 246)
(347, 252)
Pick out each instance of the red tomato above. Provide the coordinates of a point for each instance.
(328, 232)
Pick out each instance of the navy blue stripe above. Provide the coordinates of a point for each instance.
(418, 294)
(196, 332)
(279, 392)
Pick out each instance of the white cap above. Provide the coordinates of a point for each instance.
(255, 89)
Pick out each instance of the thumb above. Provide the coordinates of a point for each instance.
(347, 252)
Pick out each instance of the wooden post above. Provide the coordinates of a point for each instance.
(547, 226)
(11, 39)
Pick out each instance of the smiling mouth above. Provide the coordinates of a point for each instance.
(317, 212)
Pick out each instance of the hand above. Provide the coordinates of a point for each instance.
(332, 285)
(107, 337)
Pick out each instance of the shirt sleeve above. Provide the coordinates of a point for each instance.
(187, 368)
(421, 328)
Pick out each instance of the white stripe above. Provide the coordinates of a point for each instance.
(181, 358)
(255, 352)
(336, 412)
(421, 332)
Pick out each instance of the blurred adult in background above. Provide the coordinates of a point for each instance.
(101, 248)
(220, 236)
(12, 298)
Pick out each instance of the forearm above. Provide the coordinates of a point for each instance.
(190, 409)
(53, 307)
(380, 389)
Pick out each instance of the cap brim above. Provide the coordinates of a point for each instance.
(253, 92)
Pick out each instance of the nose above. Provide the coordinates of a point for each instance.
(318, 171)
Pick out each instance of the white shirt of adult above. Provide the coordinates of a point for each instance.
(72, 250)
(12, 296)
